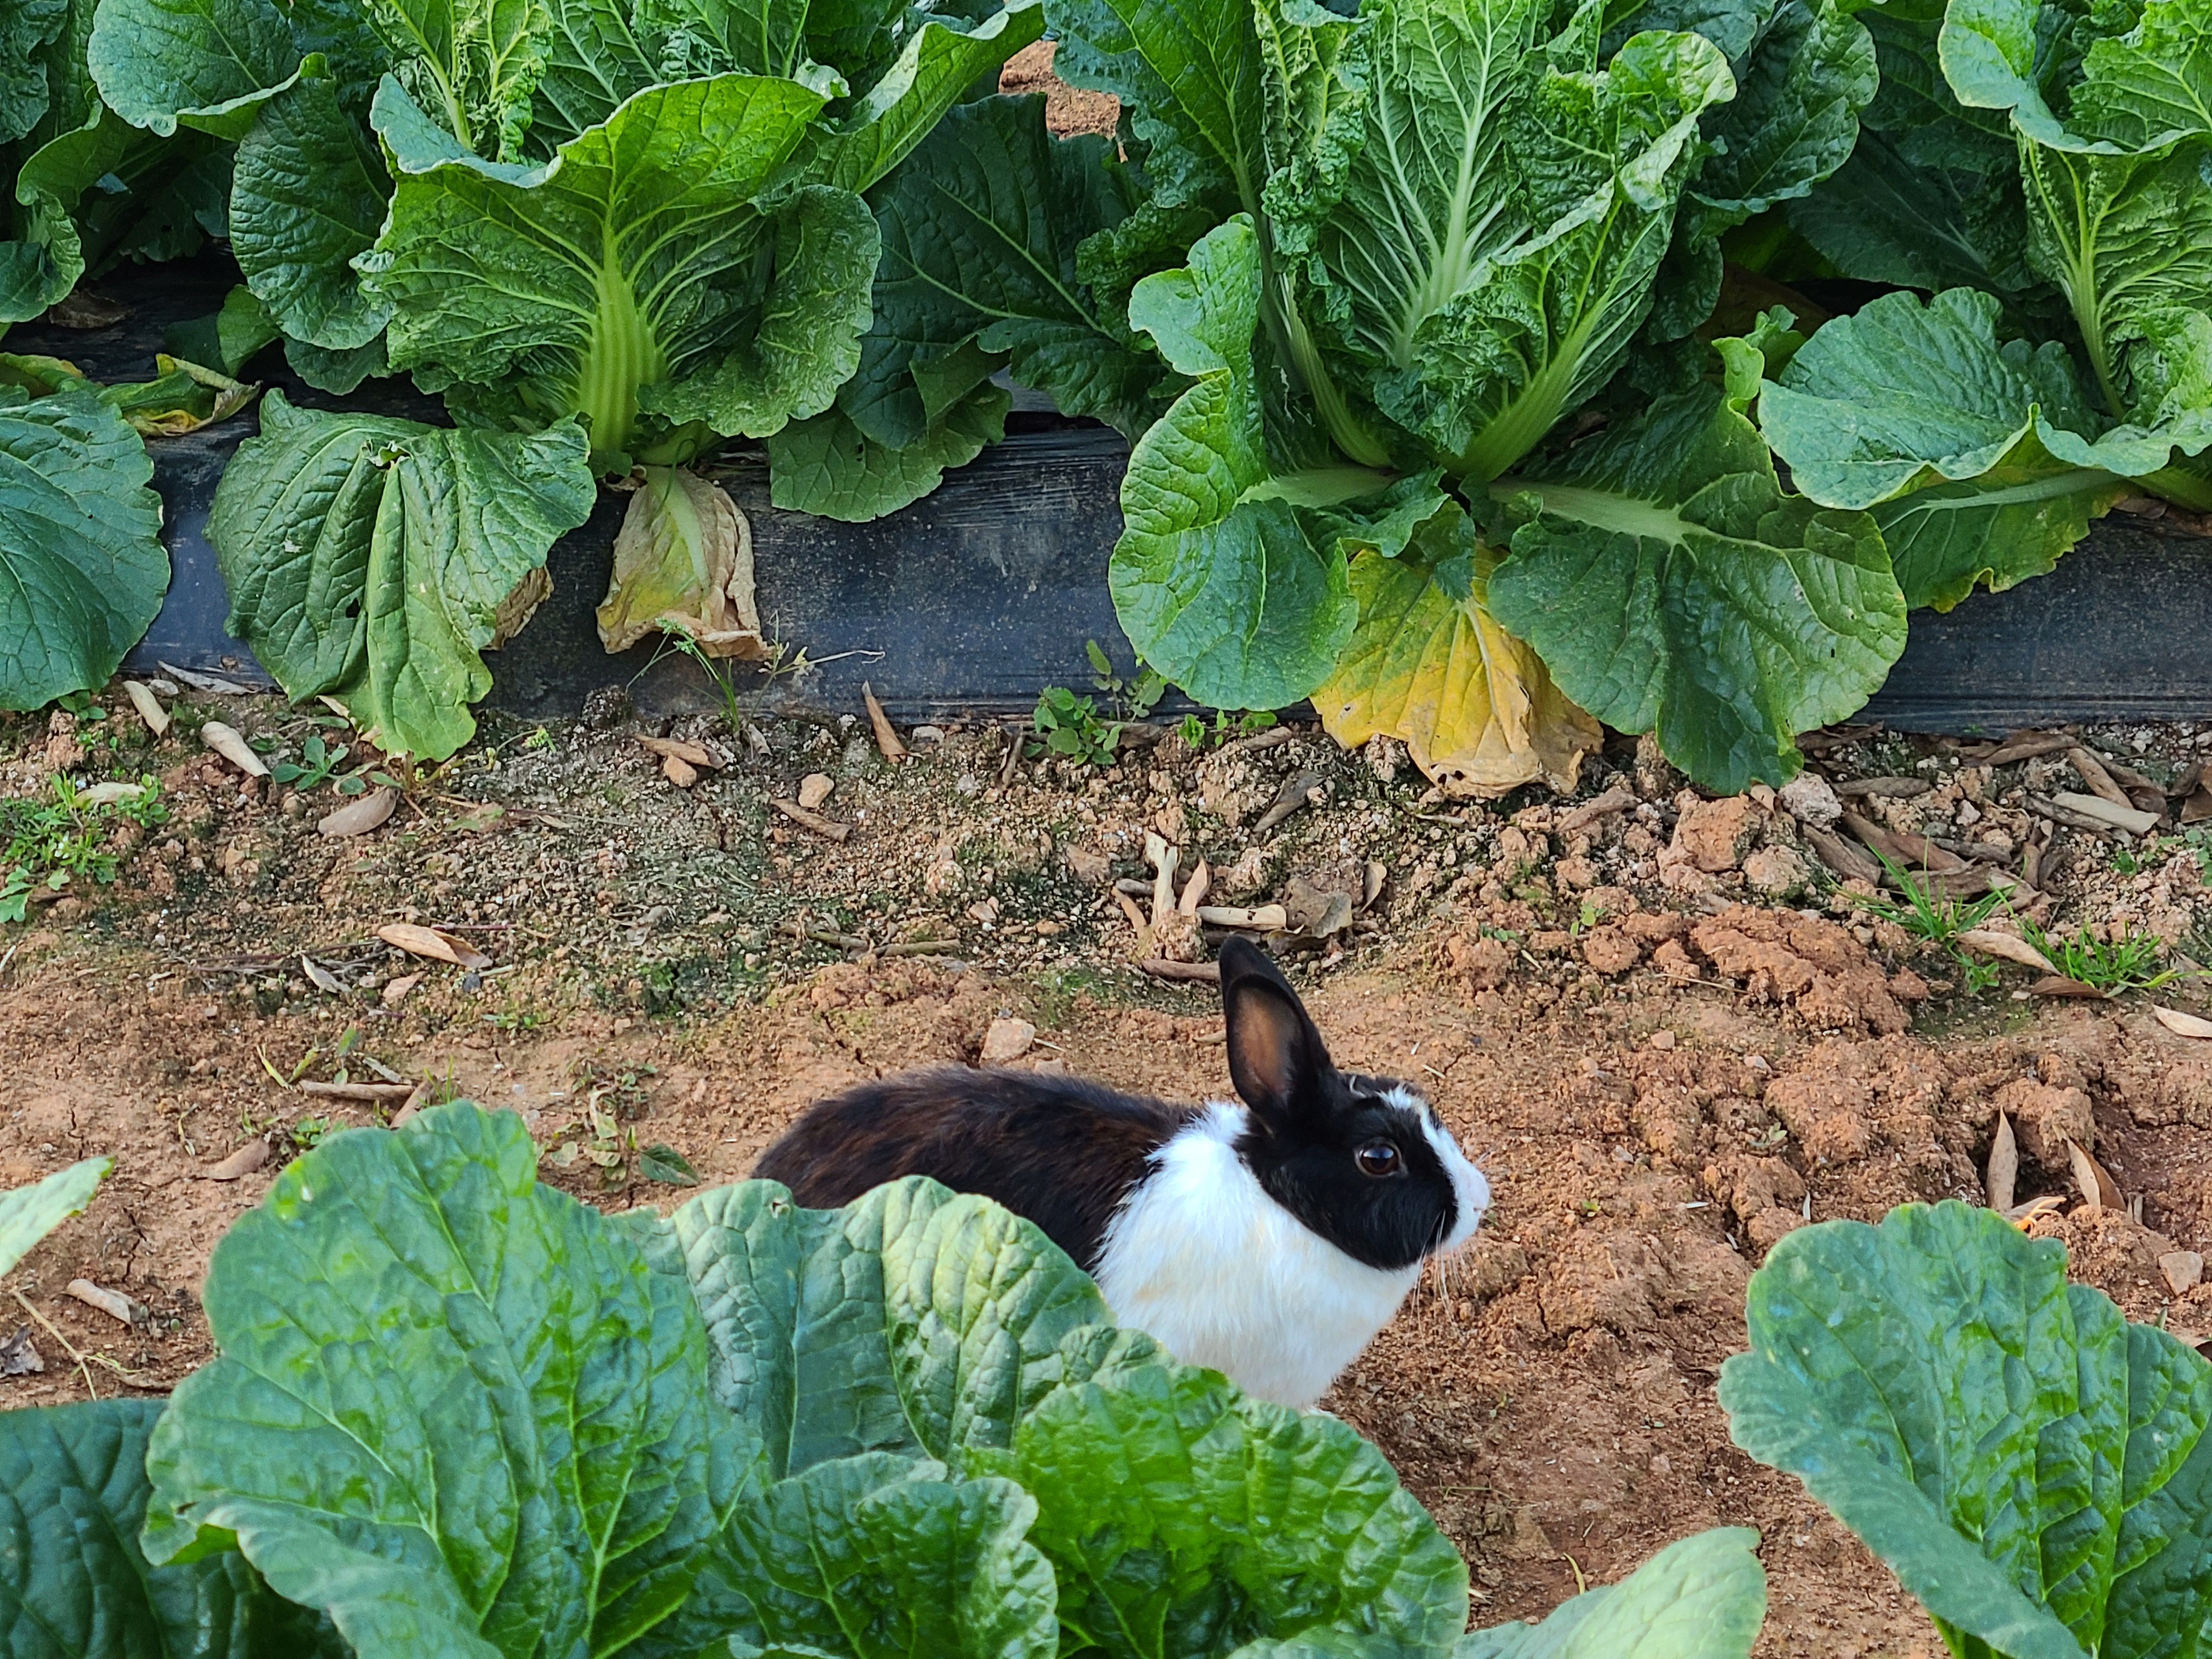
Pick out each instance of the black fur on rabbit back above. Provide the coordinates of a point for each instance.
(1063, 1151)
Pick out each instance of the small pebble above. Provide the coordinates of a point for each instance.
(1007, 1039)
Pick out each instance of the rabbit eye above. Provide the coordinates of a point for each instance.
(1377, 1158)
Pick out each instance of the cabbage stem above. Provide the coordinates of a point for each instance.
(624, 355)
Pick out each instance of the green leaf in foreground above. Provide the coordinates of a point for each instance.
(1518, 338)
(1703, 1598)
(1918, 413)
(832, 466)
(1185, 1518)
(936, 68)
(453, 1408)
(229, 338)
(308, 195)
(1215, 579)
(82, 569)
(73, 1493)
(2031, 1466)
(28, 1213)
(372, 559)
(917, 1323)
(913, 1320)
(1670, 584)
(206, 64)
(884, 1557)
(664, 1164)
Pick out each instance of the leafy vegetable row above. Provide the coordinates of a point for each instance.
(1452, 459)
(609, 235)
(457, 1413)
(1436, 325)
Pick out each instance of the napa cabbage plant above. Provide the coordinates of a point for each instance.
(457, 1412)
(639, 222)
(2030, 1465)
(2043, 174)
(1381, 264)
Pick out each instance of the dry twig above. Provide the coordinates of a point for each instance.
(814, 821)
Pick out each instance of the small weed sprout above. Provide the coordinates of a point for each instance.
(1133, 699)
(51, 843)
(2128, 962)
(1937, 919)
(685, 645)
(2196, 842)
(16, 893)
(1197, 734)
(1070, 726)
(319, 761)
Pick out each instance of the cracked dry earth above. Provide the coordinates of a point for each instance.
(1657, 1093)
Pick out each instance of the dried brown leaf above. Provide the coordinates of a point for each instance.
(2181, 1025)
(2057, 985)
(229, 743)
(886, 739)
(243, 1162)
(1888, 788)
(1844, 857)
(1915, 853)
(149, 707)
(17, 1356)
(357, 817)
(2009, 947)
(2118, 815)
(1205, 973)
(691, 754)
(418, 941)
(116, 1305)
(2027, 745)
(2002, 1172)
(2099, 1190)
(814, 821)
(684, 563)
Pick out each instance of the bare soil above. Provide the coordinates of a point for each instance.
(1664, 1067)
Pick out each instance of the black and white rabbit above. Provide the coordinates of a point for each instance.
(1270, 1240)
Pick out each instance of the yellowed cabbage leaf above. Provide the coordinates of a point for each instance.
(683, 563)
(182, 399)
(1474, 707)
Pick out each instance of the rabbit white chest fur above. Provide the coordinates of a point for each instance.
(1203, 1260)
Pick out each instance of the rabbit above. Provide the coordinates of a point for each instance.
(1270, 1241)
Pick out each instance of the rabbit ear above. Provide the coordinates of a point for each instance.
(1276, 1056)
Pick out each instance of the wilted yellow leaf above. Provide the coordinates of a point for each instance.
(1474, 706)
(683, 560)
